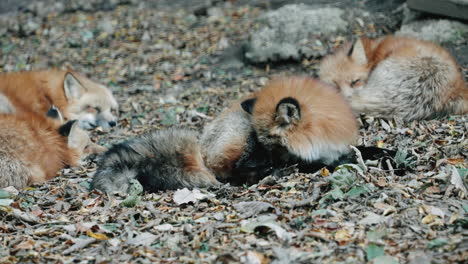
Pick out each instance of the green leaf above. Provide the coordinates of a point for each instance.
(385, 260)
(374, 251)
(337, 193)
(463, 172)
(356, 191)
(343, 177)
(204, 247)
(134, 191)
(465, 207)
(109, 227)
(5, 202)
(169, 118)
(437, 243)
(320, 212)
(135, 187)
(131, 201)
(4, 194)
(376, 235)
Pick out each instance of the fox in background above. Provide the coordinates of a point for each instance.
(291, 120)
(75, 96)
(34, 148)
(397, 77)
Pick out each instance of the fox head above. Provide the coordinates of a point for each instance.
(347, 69)
(301, 116)
(79, 140)
(272, 128)
(92, 104)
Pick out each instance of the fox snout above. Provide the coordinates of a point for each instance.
(90, 121)
(106, 124)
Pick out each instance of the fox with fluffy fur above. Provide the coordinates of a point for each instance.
(34, 148)
(302, 120)
(161, 160)
(398, 77)
(76, 96)
(290, 120)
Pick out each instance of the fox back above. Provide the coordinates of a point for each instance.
(34, 148)
(302, 117)
(231, 150)
(76, 96)
(397, 77)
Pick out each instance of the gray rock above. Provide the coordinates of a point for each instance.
(439, 31)
(293, 32)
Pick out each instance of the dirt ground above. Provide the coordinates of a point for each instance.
(167, 67)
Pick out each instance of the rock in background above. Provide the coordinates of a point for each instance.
(301, 31)
(295, 31)
(298, 31)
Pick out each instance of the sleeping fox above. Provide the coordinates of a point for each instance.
(77, 97)
(34, 148)
(176, 158)
(302, 120)
(291, 120)
(397, 77)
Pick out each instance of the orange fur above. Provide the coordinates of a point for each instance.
(33, 141)
(326, 119)
(441, 88)
(37, 91)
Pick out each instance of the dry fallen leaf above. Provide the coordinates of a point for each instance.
(183, 196)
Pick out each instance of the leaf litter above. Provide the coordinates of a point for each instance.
(165, 68)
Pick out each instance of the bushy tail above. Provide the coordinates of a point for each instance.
(108, 180)
(162, 160)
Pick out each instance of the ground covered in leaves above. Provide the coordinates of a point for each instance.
(172, 67)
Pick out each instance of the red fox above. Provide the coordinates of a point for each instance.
(397, 77)
(34, 148)
(76, 96)
(290, 120)
(176, 158)
(303, 120)
(231, 150)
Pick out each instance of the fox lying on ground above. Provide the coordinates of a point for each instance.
(397, 77)
(34, 148)
(290, 120)
(76, 96)
(302, 120)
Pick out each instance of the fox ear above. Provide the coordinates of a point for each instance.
(288, 111)
(66, 129)
(55, 113)
(358, 53)
(248, 105)
(73, 88)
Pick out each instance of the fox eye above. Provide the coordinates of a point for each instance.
(91, 109)
(355, 82)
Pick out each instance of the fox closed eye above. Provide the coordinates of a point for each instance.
(355, 82)
(91, 109)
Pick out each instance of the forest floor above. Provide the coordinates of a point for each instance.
(167, 68)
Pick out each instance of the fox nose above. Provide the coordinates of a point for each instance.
(112, 123)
